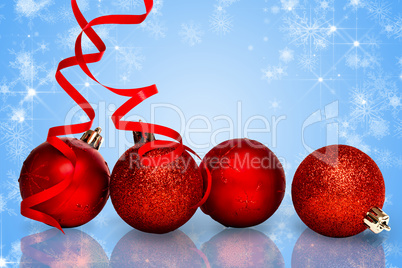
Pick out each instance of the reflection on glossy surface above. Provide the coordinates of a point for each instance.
(138, 249)
(315, 250)
(242, 248)
(54, 249)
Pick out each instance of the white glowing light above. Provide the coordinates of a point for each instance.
(31, 92)
(320, 79)
(3, 262)
(333, 28)
(116, 47)
(356, 43)
(86, 84)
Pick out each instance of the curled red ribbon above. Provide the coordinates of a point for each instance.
(137, 95)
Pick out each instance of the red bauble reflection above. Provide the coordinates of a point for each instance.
(138, 249)
(242, 248)
(333, 189)
(248, 183)
(155, 199)
(54, 249)
(315, 250)
(87, 194)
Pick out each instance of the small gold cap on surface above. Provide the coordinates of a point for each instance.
(377, 220)
(93, 138)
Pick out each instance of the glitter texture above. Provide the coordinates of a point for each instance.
(155, 199)
(334, 187)
(248, 183)
(88, 192)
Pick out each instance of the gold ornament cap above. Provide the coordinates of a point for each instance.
(93, 138)
(377, 220)
(142, 137)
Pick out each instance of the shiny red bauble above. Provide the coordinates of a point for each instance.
(333, 189)
(155, 199)
(248, 183)
(85, 196)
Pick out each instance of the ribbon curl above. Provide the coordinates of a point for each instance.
(137, 95)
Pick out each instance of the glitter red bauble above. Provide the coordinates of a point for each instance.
(137, 249)
(155, 199)
(333, 189)
(242, 248)
(248, 183)
(314, 250)
(86, 195)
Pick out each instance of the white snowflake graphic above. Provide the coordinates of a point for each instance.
(12, 186)
(356, 140)
(308, 62)
(355, 4)
(286, 55)
(398, 129)
(397, 27)
(379, 128)
(394, 249)
(157, 8)
(24, 62)
(289, 5)
(17, 139)
(126, 5)
(365, 106)
(307, 31)
(273, 73)
(191, 33)
(356, 60)
(3, 206)
(1, 15)
(275, 9)
(324, 6)
(102, 220)
(130, 58)
(221, 23)
(382, 83)
(32, 9)
(275, 104)
(155, 28)
(379, 10)
(399, 61)
(6, 90)
(227, 3)
(384, 158)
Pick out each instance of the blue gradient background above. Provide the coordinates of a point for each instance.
(223, 67)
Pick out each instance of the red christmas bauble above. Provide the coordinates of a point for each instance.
(314, 250)
(333, 189)
(155, 199)
(54, 249)
(248, 183)
(85, 196)
(242, 248)
(138, 249)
